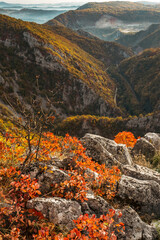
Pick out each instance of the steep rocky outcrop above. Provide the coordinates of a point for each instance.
(142, 125)
(109, 53)
(38, 61)
(109, 127)
(55, 65)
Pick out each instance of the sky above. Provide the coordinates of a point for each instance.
(60, 1)
(49, 1)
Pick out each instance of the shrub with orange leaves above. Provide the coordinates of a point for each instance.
(96, 228)
(126, 138)
(18, 147)
(82, 174)
(89, 228)
(14, 216)
(22, 147)
(43, 233)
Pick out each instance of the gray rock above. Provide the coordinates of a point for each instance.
(65, 163)
(95, 205)
(144, 147)
(139, 187)
(135, 228)
(141, 194)
(2, 81)
(59, 211)
(142, 125)
(153, 138)
(106, 151)
(47, 175)
(141, 173)
(77, 95)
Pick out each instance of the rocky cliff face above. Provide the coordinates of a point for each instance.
(77, 80)
(109, 127)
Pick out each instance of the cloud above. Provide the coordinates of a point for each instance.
(107, 21)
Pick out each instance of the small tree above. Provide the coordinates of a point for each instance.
(126, 138)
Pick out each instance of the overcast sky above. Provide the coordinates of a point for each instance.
(50, 1)
(59, 1)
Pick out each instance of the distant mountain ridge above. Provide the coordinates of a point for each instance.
(31, 15)
(6, 5)
(149, 38)
(108, 20)
(39, 13)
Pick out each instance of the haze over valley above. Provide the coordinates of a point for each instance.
(39, 13)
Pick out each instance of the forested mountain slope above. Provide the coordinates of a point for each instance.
(51, 63)
(139, 41)
(109, 53)
(138, 82)
(29, 50)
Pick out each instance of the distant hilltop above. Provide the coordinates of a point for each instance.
(39, 13)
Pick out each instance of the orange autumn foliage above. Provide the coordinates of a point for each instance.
(95, 228)
(88, 228)
(126, 138)
(23, 221)
(82, 176)
(16, 188)
(15, 214)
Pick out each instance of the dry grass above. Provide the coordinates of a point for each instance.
(141, 160)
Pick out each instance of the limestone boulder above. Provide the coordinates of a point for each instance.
(95, 205)
(47, 175)
(106, 151)
(59, 211)
(153, 138)
(141, 173)
(65, 163)
(143, 146)
(135, 228)
(144, 195)
(138, 189)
